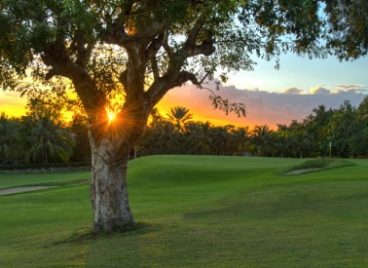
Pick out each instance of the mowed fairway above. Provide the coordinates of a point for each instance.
(195, 211)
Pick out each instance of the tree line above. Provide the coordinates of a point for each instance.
(341, 132)
(42, 137)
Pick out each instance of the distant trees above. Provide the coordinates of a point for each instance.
(79, 130)
(27, 140)
(360, 140)
(318, 127)
(363, 110)
(37, 137)
(48, 141)
(41, 137)
(9, 140)
(262, 140)
(344, 128)
(47, 138)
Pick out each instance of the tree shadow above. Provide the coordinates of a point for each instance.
(84, 235)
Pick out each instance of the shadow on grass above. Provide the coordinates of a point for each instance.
(85, 235)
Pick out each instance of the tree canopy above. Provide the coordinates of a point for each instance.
(102, 46)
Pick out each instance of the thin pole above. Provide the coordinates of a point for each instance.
(330, 144)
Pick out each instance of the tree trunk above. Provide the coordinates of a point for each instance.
(109, 194)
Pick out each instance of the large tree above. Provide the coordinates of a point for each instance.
(143, 48)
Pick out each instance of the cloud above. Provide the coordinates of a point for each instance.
(349, 87)
(293, 91)
(262, 107)
(339, 89)
(318, 90)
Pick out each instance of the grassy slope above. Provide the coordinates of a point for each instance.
(201, 211)
(8, 180)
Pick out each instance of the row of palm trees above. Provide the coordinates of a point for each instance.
(41, 137)
(28, 140)
(341, 132)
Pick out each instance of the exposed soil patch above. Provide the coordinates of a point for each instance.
(317, 165)
(24, 189)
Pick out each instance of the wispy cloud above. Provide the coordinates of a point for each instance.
(350, 87)
(336, 89)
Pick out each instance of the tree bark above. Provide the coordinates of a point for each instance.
(109, 194)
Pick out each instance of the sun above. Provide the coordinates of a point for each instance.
(111, 116)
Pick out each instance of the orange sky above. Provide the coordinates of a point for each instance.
(262, 107)
(199, 104)
(196, 100)
(12, 104)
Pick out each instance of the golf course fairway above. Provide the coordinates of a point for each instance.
(194, 211)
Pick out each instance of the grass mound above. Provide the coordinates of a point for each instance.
(317, 165)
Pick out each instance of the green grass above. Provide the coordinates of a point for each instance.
(11, 179)
(197, 211)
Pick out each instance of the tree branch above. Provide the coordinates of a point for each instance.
(218, 102)
(152, 50)
(154, 67)
(191, 47)
(160, 87)
(83, 49)
(174, 76)
(56, 57)
(116, 33)
(193, 34)
(169, 51)
(206, 48)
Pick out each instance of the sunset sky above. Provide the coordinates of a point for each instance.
(271, 96)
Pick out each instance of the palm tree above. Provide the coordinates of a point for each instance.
(239, 140)
(49, 142)
(262, 139)
(8, 139)
(155, 117)
(180, 116)
(363, 110)
(220, 138)
(199, 137)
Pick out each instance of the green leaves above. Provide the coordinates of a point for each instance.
(167, 39)
(79, 16)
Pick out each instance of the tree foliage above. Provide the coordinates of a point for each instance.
(143, 48)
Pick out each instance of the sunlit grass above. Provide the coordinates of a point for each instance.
(198, 211)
